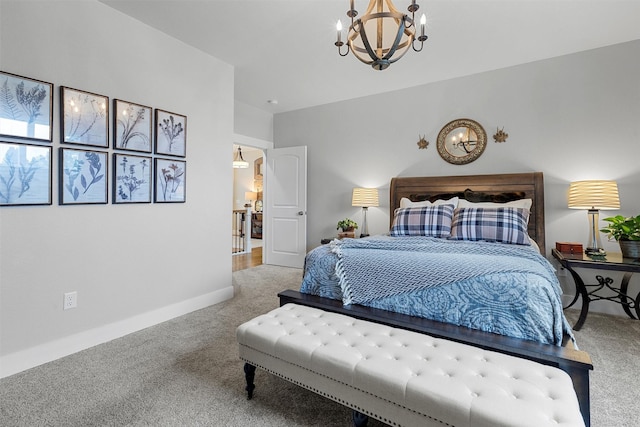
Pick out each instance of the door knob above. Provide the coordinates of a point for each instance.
(300, 213)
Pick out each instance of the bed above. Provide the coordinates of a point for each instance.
(434, 263)
(548, 342)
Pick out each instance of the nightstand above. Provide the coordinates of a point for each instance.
(612, 262)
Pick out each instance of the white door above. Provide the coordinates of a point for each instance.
(285, 211)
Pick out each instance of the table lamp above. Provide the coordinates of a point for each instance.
(594, 195)
(251, 196)
(364, 197)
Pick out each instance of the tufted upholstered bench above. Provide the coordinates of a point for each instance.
(404, 378)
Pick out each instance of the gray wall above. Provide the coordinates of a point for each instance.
(132, 265)
(572, 117)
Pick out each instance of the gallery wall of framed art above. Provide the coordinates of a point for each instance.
(147, 147)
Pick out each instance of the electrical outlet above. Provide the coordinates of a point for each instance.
(70, 300)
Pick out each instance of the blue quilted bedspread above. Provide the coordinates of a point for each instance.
(506, 289)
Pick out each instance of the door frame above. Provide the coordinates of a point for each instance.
(261, 144)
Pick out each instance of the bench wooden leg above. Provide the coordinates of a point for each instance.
(359, 420)
(249, 374)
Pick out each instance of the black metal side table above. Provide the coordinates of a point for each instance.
(588, 293)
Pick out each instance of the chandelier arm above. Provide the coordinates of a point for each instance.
(413, 45)
(340, 49)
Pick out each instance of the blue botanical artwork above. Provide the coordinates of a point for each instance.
(171, 133)
(83, 176)
(132, 126)
(132, 179)
(170, 180)
(25, 174)
(85, 118)
(25, 107)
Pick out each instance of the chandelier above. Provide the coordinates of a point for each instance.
(382, 35)
(238, 161)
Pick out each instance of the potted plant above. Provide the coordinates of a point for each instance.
(627, 232)
(347, 226)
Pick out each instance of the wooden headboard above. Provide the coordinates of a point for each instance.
(530, 184)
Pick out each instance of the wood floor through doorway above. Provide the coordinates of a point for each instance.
(244, 261)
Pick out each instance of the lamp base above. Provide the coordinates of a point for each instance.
(595, 252)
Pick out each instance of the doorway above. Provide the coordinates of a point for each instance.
(248, 196)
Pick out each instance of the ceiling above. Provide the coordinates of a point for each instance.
(284, 49)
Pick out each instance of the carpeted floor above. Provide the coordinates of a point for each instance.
(186, 372)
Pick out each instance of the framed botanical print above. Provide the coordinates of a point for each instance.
(25, 174)
(26, 108)
(84, 118)
(131, 179)
(83, 177)
(170, 183)
(171, 133)
(131, 126)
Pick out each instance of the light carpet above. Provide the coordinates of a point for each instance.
(186, 372)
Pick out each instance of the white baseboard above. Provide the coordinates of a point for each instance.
(38, 355)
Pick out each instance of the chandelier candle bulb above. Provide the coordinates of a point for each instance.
(339, 30)
(423, 22)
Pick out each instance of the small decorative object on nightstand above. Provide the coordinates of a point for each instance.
(569, 247)
(348, 227)
(626, 231)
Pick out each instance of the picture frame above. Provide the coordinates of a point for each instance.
(83, 177)
(170, 180)
(132, 125)
(461, 141)
(26, 108)
(84, 118)
(25, 174)
(257, 168)
(170, 134)
(131, 179)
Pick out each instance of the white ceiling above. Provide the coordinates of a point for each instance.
(283, 49)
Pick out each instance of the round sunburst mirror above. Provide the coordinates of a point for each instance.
(461, 141)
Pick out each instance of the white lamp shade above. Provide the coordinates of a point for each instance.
(250, 195)
(365, 197)
(238, 161)
(594, 194)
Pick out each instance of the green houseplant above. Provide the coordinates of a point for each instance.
(347, 225)
(626, 230)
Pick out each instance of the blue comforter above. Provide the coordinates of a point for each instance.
(505, 289)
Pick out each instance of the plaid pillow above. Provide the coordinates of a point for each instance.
(505, 225)
(434, 221)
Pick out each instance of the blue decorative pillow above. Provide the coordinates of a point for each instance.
(433, 221)
(505, 225)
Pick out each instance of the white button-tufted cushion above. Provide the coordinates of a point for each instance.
(448, 383)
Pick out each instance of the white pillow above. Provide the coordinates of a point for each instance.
(406, 203)
(522, 203)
